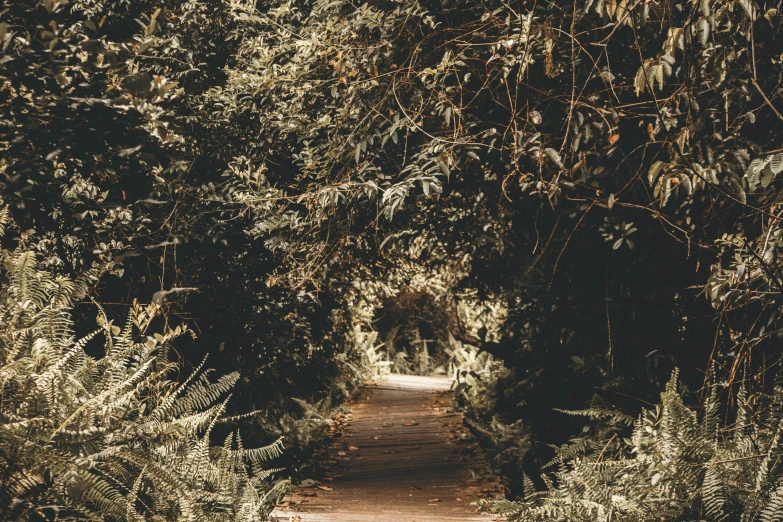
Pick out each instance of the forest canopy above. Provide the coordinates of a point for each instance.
(552, 192)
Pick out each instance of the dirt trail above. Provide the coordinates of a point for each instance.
(404, 457)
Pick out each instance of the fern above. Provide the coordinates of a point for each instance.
(110, 438)
(773, 511)
(713, 493)
(672, 468)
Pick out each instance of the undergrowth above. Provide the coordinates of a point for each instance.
(678, 464)
(114, 437)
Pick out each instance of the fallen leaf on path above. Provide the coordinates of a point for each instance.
(434, 500)
(352, 448)
(325, 488)
(283, 504)
(412, 423)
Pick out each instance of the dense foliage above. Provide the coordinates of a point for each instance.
(584, 164)
(673, 467)
(106, 158)
(588, 191)
(112, 437)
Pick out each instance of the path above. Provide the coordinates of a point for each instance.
(404, 457)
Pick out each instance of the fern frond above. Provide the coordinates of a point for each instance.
(112, 438)
(713, 494)
(5, 218)
(773, 510)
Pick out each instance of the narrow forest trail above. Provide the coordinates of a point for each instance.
(404, 457)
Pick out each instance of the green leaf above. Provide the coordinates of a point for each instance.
(654, 171)
(444, 168)
(554, 156)
(753, 172)
(776, 163)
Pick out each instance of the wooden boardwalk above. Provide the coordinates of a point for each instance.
(404, 457)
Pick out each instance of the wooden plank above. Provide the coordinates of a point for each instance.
(405, 457)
